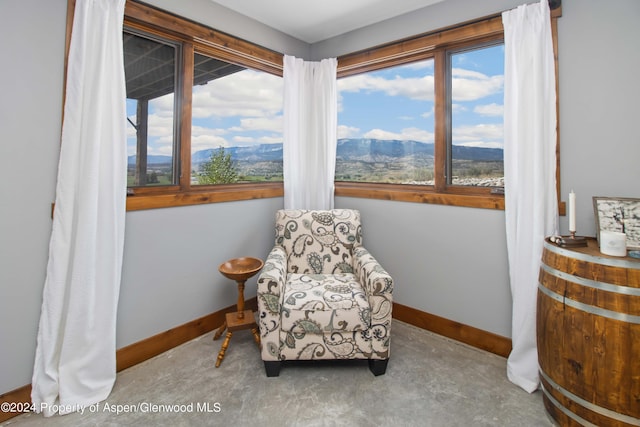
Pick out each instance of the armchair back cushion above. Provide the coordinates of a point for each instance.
(319, 242)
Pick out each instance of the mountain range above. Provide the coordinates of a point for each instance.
(348, 149)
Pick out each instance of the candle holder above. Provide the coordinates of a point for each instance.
(570, 241)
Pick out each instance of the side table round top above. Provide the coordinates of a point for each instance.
(240, 269)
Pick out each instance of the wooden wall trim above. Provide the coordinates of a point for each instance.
(19, 395)
(140, 351)
(146, 349)
(475, 337)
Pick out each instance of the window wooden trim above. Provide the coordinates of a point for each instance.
(435, 45)
(227, 47)
(221, 193)
(414, 48)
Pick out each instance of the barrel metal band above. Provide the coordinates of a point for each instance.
(623, 317)
(624, 290)
(567, 412)
(624, 263)
(590, 406)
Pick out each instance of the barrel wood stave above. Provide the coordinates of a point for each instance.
(588, 330)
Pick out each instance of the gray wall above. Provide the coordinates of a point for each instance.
(448, 261)
(171, 255)
(30, 106)
(170, 272)
(452, 261)
(599, 51)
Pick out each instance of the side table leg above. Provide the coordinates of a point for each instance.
(256, 336)
(220, 330)
(225, 345)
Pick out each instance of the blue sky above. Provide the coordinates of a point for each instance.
(245, 108)
(397, 103)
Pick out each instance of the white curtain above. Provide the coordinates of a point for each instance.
(310, 133)
(75, 354)
(530, 172)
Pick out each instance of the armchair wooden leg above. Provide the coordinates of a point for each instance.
(272, 368)
(377, 366)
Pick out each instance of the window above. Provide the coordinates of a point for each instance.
(420, 120)
(386, 125)
(236, 124)
(387, 122)
(475, 134)
(150, 71)
(204, 113)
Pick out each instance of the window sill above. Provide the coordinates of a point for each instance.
(467, 197)
(217, 194)
(455, 196)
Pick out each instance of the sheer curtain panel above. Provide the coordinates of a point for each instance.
(531, 204)
(310, 133)
(75, 355)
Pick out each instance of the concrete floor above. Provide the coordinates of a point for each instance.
(430, 381)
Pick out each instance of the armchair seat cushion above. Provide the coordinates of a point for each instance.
(324, 303)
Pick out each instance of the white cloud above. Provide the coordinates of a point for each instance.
(467, 85)
(203, 138)
(244, 139)
(415, 88)
(205, 141)
(272, 124)
(348, 131)
(428, 114)
(467, 74)
(382, 134)
(246, 93)
(483, 144)
(250, 140)
(254, 98)
(490, 136)
(277, 138)
(458, 108)
(163, 106)
(407, 134)
(202, 130)
(160, 134)
(489, 109)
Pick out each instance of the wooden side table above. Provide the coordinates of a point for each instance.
(239, 270)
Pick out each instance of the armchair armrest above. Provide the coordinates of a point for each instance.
(270, 286)
(376, 280)
(379, 287)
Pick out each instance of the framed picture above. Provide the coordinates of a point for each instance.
(618, 214)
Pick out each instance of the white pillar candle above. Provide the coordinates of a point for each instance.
(572, 212)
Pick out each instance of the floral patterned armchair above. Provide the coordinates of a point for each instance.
(321, 295)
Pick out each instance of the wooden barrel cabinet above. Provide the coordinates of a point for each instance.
(588, 332)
